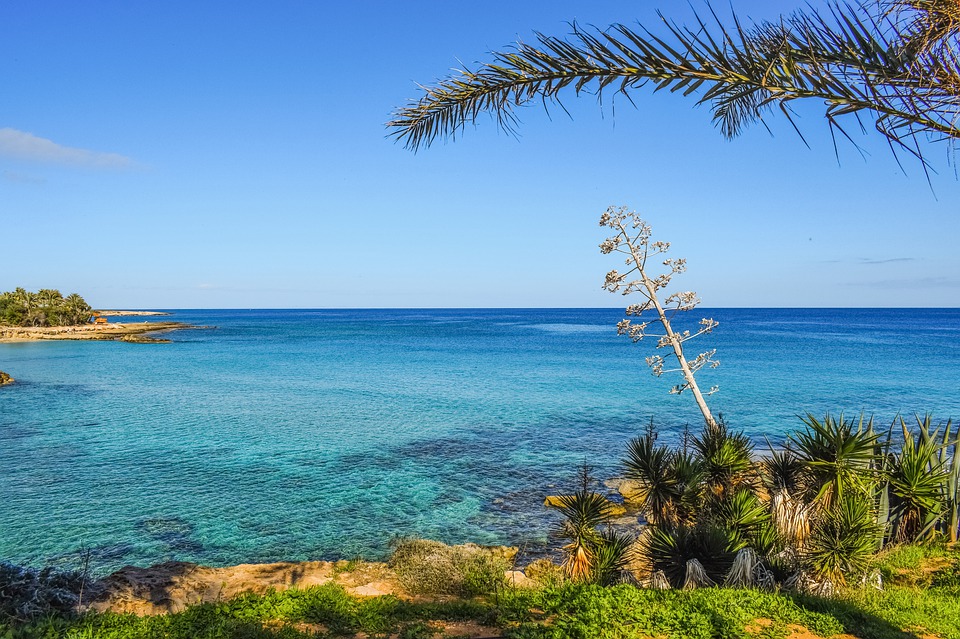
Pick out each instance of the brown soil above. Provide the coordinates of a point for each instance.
(795, 631)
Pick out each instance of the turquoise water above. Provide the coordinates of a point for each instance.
(289, 435)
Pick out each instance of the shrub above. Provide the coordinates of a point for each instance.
(430, 567)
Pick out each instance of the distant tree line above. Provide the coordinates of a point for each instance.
(46, 307)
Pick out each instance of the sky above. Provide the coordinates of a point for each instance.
(234, 155)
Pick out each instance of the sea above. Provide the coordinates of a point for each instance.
(276, 435)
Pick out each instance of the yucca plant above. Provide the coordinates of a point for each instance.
(790, 517)
(670, 548)
(669, 481)
(843, 540)
(612, 554)
(839, 454)
(649, 464)
(916, 479)
(950, 461)
(748, 570)
(787, 480)
(726, 458)
(583, 513)
(687, 471)
(744, 516)
(783, 470)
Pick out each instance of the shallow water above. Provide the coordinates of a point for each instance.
(319, 434)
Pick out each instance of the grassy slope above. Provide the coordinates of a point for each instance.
(922, 599)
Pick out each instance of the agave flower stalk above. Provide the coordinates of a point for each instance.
(632, 238)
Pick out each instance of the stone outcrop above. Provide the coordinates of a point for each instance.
(143, 339)
(5, 379)
(172, 586)
(629, 489)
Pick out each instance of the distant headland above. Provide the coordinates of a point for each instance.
(48, 315)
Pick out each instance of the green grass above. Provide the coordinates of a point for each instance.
(922, 597)
(327, 608)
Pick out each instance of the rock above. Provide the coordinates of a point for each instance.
(615, 509)
(143, 339)
(518, 579)
(507, 553)
(629, 489)
(172, 586)
(375, 589)
(5, 379)
(543, 572)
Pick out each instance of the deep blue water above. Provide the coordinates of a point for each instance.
(288, 435)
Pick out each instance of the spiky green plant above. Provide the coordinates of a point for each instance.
(669, 548)
(783, 470)
(611, 556)
(583, 513)
(843, 539)
(743, 515)
(725, 457)
(916, 480)
(686, 469)
(839, 455)
(950, 461)
(894, 62)
(649, 464)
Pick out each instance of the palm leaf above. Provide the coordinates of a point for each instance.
(904, 74)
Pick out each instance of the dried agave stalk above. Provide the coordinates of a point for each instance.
(873, 579)
(791, 517)
(659, 581)
(803, 582)
(741, 573)
(696, 577)
(764, 578)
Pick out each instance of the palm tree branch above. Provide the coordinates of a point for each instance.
(845, 61)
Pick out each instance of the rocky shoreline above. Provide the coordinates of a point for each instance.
(128, 332)
(173, 586)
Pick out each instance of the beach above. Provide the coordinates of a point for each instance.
(109, 331)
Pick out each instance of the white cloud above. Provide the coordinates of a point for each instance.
(26, 146)
(22, 178)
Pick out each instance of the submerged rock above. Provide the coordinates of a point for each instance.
(143, 339)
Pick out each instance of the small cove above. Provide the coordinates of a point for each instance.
(302, 434)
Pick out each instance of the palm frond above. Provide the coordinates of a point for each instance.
(903, 74)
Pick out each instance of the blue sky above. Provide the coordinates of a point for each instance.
(220, 155)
